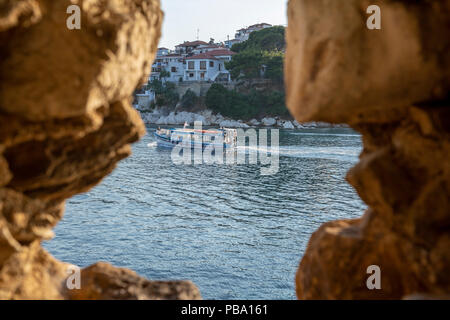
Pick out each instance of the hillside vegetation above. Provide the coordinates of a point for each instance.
(259, 58)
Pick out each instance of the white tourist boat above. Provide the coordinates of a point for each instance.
(195, 138)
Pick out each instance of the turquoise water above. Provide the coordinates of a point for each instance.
(234, 233)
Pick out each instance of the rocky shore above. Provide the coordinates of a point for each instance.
(207, 118)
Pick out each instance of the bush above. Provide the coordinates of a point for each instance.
(189, 100)
(231, 103)
(165, 93)
(247, 64)
(269, 39)
(274, 66)
(263, 50)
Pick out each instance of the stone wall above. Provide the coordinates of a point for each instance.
(65, 121)
(199, 88)
(392, 85)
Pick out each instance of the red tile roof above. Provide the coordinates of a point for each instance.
(224, 52)
(259, 25)
(209, 47)
(202, 56)
(192, 43)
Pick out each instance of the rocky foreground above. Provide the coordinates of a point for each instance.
(392, 85)
(66, 120)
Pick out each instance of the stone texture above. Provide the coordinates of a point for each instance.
(102, 281)
(337, 70)
(392, 86)
(65, 121)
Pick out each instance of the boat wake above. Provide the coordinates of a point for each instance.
(338, 153)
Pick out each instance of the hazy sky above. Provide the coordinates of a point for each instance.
(216, 18)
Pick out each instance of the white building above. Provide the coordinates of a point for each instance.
(188, 46)
(172, 63)
(209, 66)
(162, 51)
(229, 43)
(206, 48)
(244, 33)
(192, 61)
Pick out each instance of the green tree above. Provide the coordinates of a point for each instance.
(274, 61)
(246, 64)
(266, 40)
(165, 93)
(216, 98)
(189, 99)
(164, 74)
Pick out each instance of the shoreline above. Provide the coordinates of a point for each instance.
(158, 117)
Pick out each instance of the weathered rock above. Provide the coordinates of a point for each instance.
(392, 86)
(103, 281)
(65, 121)
(339, 71)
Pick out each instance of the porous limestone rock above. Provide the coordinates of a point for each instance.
(65, 121)
(339, 71)
(392, 86)
(103, 281)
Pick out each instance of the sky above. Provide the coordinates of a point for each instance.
(216, 18)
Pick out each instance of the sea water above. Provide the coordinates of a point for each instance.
(235, 233)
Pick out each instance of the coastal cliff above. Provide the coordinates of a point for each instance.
(392, 86)
(65, 121)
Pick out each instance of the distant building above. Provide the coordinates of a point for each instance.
(192, 61)
(229, 43)
(188, 46)
(243, 34)
(207, 48)
(162, 51)
(209, 66)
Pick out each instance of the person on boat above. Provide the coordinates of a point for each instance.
(186, 124)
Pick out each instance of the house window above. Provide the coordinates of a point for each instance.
(191, 65)
(191, 75)
(202, 75)
(173, 69)
(211, 64)
(202, 65)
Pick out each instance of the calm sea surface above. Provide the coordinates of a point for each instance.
(234, 233)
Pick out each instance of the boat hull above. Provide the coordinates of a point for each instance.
(166, 142)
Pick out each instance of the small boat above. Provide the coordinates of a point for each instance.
(195, 138)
